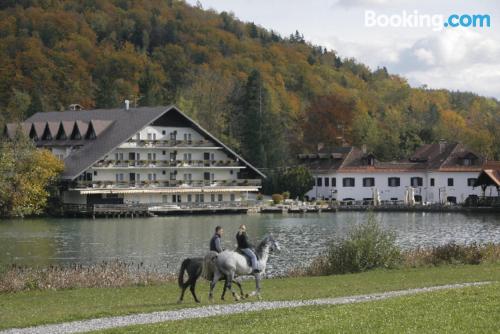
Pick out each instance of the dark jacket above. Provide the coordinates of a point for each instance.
(242, 240)
(215, 243)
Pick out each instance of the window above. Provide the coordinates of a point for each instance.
(151, 177)
(172, 176)
(394, 182)
(95, 173)
(319, 182)
(188, 177)
(416, 181)
(212, 197)
(150, 136)
(368, 182)
(450, 182)
(152, 156)
(173, 156)
(187, 156)
(327, 182)
(348, 182)
(173, 135)
(119, 156)
(232, 198)
(119, 177)
(334, 182)
(432, 182)
(163, 152)
(187, 137)
(163, 132)
(219, 197)
(471, 182)
(189, 198)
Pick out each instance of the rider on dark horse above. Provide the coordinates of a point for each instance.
(246, 247)
(216, 241)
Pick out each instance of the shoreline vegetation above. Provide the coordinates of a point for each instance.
(366, 247)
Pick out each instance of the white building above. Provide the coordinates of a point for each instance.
(436, 173)
(140, 155)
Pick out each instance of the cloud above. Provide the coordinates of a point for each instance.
(455, 59)
(363, 3)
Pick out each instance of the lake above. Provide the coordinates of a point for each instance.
(162, 242)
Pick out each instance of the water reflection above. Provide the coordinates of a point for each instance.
(163, 242)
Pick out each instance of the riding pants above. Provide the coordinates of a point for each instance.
(248, 252)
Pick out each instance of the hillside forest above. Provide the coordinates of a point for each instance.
(266, 95)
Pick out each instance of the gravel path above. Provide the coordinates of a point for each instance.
(215, 310)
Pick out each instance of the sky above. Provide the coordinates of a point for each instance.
(463, 58)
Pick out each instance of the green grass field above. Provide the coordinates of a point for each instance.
(41, 307)
(468, 310)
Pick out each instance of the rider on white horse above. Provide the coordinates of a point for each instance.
(246, 247)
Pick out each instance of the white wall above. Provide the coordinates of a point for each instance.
(440, 190)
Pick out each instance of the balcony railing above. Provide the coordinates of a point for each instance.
(165, 184)
(165, 163)
(171, 143)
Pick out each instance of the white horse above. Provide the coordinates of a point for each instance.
(231, 263)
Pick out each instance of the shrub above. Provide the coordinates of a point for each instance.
(286, 195)
(452, 253)
(277, 198)
(260, 197)
(367, 246)
(106, 274)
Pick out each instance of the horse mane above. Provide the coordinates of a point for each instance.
(262, 244)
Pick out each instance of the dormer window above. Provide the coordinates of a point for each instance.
(469, 159)
(46, 134)
(368, 160)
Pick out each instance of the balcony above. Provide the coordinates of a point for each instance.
(149, 143)
(166, 184)
(166, 164)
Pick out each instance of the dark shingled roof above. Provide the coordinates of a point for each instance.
(112, 127)
(441, 156)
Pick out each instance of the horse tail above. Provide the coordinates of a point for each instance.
(184, 265)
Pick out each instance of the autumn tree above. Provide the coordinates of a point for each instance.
(25, 177)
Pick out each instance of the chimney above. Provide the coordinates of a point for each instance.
(442, 145)
(127, 104)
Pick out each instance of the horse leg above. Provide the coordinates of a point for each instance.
(193, 286)
(215, 279)
(224, 290)
(229, 280)
(184, 287)
(243, 296)
(257, 286)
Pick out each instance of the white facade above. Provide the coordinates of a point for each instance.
(164, 165)
(435, 186)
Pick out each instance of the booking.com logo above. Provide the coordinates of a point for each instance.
(416, 20)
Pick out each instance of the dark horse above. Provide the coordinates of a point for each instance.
(194, 268)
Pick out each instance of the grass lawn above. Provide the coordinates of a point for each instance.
(42, 307)
(468, 310)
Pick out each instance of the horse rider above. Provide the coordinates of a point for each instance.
(216, 242)
(246, 247)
